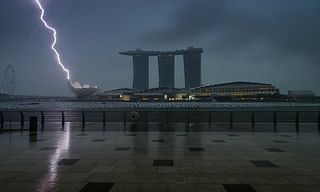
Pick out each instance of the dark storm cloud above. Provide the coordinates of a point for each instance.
(243, 40)
(287, 27)
(12, 18)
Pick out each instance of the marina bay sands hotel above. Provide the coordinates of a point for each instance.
(166, 61)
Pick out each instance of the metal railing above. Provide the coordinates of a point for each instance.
(146, 116)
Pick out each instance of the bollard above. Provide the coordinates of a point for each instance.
(253, 120)
(42, 120)
(10, 124)
(297, 121)
(62, 119)
(33, 125)
(1, 121)
(145, 117)
(275, 121)
(83, 119)
(124, 118)
(231, 119)
(188, 118)
(209, 118)
(319, 121)
(21, 121)
(167, 117)
(104, 119)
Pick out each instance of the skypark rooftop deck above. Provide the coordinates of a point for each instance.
(157, 53)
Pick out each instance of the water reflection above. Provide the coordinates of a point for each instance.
(63, 145)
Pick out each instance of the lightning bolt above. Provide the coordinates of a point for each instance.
(54, 34)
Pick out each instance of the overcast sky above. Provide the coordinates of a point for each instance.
(269, 41)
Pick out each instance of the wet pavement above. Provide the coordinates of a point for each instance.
(137, 157)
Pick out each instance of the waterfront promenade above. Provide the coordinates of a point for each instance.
(79, 147)
(132, 158)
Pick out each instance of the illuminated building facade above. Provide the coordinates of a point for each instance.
(238, 90)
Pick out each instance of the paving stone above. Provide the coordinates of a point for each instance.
(284, 135)
(268, 188)
(97, 187)
(185, 187)
(302, 180)
(49, 148)
(238, 188)
(98, 140)
(74, 177)
(153, 187)
(98, 177)
(36, 140)
(67, 161)
(174, 178)
(124, 177)
(103, 169)
(274, 150)
(125, 187)
(159, 162)
(149, 178)
(279, 141)
(263, 164)
(122, 149)
(210, 188)
(196, 149)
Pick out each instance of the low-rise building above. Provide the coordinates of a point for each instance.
(239, 91)
(123, 94)
(234, 91)
(301, 95)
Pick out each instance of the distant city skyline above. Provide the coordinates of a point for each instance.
(267, 41)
